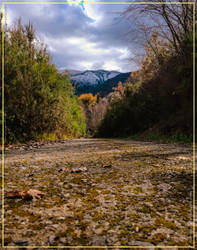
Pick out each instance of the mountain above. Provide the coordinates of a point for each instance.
(107, 87)
(104, 87)
(91, 77)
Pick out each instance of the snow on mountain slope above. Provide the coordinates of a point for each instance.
(92, 77)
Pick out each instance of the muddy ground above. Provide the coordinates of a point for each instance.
(100, 193)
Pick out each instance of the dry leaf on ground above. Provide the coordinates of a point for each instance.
(25, 195)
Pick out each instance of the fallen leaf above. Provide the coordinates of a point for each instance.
(32, 193)
(13, 194)
(25, 195)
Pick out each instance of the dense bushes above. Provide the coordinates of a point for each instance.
(38, 100)
(159, 99)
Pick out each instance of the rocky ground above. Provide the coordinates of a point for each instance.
(100, 193)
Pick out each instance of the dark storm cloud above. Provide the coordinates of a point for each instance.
(76, 39)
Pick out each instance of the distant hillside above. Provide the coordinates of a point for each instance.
(103, 88)
(91, 77)
(108, 85)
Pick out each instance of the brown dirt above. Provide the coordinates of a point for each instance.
(100, 193)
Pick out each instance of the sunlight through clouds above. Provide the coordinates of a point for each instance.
(89, 10)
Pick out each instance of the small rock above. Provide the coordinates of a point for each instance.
(78, 233)
(98, 230)
(48, 222)
(66, 195)
(98, 241)
(112, 231)
(51, 238)
(79, 170)
(28, 233)
(141, 243)
(61, 218)
(106, 225)
(63, 240)
(55, 226)
(84, 181)
(166, 231)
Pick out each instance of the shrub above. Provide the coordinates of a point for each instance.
(38, 100)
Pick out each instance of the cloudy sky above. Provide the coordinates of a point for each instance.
(94, 38)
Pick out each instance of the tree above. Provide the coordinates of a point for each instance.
(157, 97)
(173, 22)
(38, 100)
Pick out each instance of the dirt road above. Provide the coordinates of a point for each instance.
(100, 192)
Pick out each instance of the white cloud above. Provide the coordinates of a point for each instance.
(111, 65)
(92, 12)
(78, 39)
(85, 65)
(124, 53)
(88, 47)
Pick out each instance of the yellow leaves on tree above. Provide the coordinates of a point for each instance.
(88, 99)
(156, 51)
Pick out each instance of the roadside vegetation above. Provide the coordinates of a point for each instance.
(39, 102)
(158, 98)
(155, 102)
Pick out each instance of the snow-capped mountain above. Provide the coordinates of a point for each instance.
(92, 77)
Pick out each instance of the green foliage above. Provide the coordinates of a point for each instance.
(38, 100)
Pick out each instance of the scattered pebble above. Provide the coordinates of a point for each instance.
(114, 192)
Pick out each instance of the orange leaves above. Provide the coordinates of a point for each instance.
(88, 99)
(25, 195)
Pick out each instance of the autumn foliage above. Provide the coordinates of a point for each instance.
(158, 97)
(88, 99)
